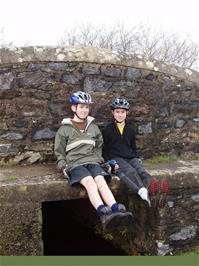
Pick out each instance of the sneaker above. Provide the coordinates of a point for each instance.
(163, 191)
(126, 218)
(153, 190)
(126, 221)
(116, 220)
(120, 208)
(148, 200)
(143, 193)
(104, 210)
(107, 221)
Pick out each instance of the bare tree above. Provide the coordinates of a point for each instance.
(3, 43)
(139, 40)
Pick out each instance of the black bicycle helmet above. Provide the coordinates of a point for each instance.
(120, 103)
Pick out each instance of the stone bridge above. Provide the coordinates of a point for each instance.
(38, 206)
(36, 201)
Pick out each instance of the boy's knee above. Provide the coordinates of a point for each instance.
(133, 172)
(100, 181)
(136, 162)
(88, 181)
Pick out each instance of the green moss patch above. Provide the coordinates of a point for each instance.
(160, 159)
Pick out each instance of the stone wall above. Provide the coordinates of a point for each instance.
(35, 84)
(161, 231)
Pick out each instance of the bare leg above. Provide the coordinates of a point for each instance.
(92, 190)
(104, 190)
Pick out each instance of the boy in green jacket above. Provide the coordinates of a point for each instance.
(78, 148)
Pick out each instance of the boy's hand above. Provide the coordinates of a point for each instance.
(107, 168)
(114, 166)
(117, 167)
(65, 172)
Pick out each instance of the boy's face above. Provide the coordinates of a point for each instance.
(82, 110)
(119, 114)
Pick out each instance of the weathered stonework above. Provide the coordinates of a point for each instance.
(35, 84)
(157, 231)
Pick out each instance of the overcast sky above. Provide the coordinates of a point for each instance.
(43, 22)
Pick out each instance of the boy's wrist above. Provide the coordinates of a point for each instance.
(64, 170)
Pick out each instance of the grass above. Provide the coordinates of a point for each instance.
(160, 159)
(12, 177)
(192, 251)
(7, 164)
(196, 157)
(99, 231)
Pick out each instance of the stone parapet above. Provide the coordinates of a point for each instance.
(92, 55)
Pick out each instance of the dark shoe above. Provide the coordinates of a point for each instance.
(117, 220)
(163, 191)
(153, 190)
(109, 221)
(126, 218)
(104, 210)
(121, 207)
(126, 221)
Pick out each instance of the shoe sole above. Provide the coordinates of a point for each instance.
(153, 190)
(163, 191)
(126, 221)
(111, 222)
(120, 221)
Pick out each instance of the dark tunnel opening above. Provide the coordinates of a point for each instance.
(65, 233)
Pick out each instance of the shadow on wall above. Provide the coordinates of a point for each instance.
(63, 234)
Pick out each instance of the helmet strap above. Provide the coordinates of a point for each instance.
(83, 119)
(75, 113)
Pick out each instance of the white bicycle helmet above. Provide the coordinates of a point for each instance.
(81, 97)
(120, 103)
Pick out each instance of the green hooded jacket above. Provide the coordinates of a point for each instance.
(73, 147)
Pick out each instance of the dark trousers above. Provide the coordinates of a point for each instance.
(133, 174)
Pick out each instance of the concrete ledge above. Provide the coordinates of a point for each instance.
(42, 182)
(24, 189)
